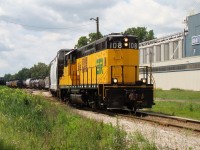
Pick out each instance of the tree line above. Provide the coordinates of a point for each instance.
(141, 32)
(38, 71)
(41, 70)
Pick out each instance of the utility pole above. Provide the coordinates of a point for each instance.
(151, 60)
(97, 28)
(97, 24)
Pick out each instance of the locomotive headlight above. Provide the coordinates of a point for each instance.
(115, 80)
(144, 80)
(125, 39)
(125, 44)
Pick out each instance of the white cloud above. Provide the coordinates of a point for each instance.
(152, 15)
(24, 46)
(3, 64)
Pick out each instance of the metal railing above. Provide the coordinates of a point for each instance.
(89, 76)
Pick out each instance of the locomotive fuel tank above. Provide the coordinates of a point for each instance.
(76, 98)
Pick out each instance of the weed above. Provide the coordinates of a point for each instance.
(191, 108)
(139, 142)
(4, 146)
(177, 89)
(30, 122)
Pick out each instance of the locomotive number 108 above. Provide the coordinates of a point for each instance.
(119, 45)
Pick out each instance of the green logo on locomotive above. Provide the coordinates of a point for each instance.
(99, 64)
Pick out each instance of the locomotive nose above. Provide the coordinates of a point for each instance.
(131, 96)
(115, 98)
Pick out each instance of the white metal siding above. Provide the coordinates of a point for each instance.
(188, 80)
(53, 75)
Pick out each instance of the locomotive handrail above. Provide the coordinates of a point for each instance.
(94, 81)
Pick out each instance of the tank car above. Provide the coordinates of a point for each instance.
(28, 83)
(36, 84)
(2, 81)
(46, 81)
(24, 83)
(16, 84)
(8, 83)
(41, 83)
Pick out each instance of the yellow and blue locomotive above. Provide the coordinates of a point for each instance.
(105, 74)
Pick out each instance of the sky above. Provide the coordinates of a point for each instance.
(32, 31)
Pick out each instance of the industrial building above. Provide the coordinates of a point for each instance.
(175, 59)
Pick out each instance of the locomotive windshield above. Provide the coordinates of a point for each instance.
(129, 42)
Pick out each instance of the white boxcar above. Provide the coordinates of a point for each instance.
(53, 74)
(56, 69)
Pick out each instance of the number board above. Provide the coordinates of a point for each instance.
(118, 45)
(119, 42)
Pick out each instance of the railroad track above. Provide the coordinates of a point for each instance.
(161, 119)
(167, 120)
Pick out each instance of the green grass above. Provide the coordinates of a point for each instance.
(181, 109)
(178, 94)
(29, 122)
(178, 102)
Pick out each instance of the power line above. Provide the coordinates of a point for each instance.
(75, 29)
(106, 29)
(56, 31)
(46, 28)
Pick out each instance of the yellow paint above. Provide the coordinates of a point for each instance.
(84, 71)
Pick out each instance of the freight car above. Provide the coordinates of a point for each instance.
(29, 83)
(2, 81)
(56, 71)
(15, 84)
(46, 83)
(103, 74)
(41, 84)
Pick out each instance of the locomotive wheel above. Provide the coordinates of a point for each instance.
(132, 107)
(134, 110)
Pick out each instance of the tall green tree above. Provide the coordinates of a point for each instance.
(39, 71)
(8, 77)
(93, 36)
(84, 40)
(141, 33)
(150, 35)
(23, 74)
